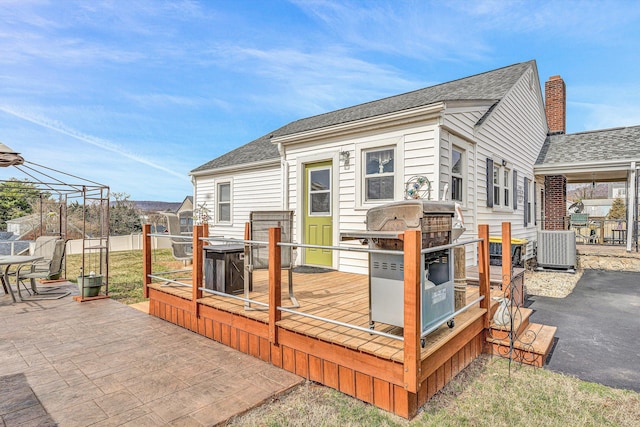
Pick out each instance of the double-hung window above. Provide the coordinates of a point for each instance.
(223, 201)
(457, 166)
(500, 191)
(496, 186)
(379, 174)
(506, 186)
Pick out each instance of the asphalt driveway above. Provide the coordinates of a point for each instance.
(598, 337)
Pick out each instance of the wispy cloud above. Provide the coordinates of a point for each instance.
(168, 100)
(314, 82)
(97, 142)
(416, 29)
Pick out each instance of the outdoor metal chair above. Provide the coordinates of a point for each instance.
(49, 268)
(257, 256)
(181, 247)
(579, 221)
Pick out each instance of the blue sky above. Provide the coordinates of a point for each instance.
(134, 94)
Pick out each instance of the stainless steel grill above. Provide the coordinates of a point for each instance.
(434, 219)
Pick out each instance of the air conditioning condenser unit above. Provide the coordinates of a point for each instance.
(557, 249)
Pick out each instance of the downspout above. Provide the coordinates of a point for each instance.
(631, 220)
(284, 171)
(194, 182)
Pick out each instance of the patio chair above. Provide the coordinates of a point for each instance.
(48, 269)
(578, 221)
(257, 256)
(181, 248)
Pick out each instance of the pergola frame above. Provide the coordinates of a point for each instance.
(67, 187)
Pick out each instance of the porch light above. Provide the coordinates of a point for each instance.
(344, 158)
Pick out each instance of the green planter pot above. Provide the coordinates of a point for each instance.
(89, 286)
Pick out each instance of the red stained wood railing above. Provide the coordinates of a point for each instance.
(275, 283)
(146, 257)
(483, 272)
(198, 262)
(412, 248)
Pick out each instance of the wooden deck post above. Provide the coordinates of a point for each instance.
(483, 272)
(412, 248)
(506, 257)
(146, 256)
(275, 283)
(248, 278)
(196, 275)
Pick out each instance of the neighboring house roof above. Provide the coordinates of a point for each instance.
(593, 146)
(7, 240)
(27, 219)
(491, 85)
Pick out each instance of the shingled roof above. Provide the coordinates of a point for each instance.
(491, 85)
(598, 145)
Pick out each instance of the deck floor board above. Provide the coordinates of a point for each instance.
(334, 295)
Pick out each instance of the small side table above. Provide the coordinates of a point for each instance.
(619, 235)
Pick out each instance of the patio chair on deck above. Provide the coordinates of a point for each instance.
(181, 248)
(49, 268)
(258, 255)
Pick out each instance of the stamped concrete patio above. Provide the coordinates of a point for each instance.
(103, 363)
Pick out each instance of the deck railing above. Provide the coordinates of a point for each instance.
(413, 253)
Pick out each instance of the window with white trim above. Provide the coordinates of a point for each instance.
(223, 202)
(529, 204)
(320, 192)
(496, 185)
(457, 181)
(506, 186)
(379, 174)
(500, 186)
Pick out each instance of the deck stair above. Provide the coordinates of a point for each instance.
(532, 342)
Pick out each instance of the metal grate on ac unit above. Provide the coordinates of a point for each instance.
(557, 250)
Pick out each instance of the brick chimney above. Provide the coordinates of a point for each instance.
(555, 203)
(555, 96)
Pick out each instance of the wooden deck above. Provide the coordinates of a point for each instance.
(332, 295)
(396, 375)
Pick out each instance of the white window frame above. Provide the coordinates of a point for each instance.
(366, 176)
(310, 192)
(530, 207)
(362, 147)
(503, 193)
(497, 188)
(220, 202)
(507, 191)
(460, 176)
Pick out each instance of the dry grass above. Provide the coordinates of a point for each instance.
(125, 272)
(484, 394)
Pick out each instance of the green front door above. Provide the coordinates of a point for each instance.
(318, 224)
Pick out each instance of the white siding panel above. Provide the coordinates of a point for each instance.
(252, 190)
(417, 158)
(463, 122)
(515, 132)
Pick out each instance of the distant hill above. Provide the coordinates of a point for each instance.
(587, 191)
(155, 206)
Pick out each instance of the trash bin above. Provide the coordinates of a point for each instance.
(224, 268)
(518, 250)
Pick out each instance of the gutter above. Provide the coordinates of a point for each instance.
(397, 118)
(601, 165)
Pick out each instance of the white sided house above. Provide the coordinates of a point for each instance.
(476, 140)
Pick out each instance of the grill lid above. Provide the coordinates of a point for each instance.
(406, 214)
